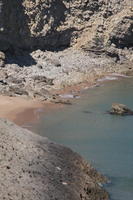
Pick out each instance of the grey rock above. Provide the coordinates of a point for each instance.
(2, 59)
(76, 67)
(43, 79)
(120, 109)
(122, 33)
(39, 25)
(56, 62)
(15, 90)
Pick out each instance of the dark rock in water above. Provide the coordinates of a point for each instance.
(62, 101)
(120, 109)
(34, 168)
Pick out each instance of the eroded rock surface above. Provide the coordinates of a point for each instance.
(120, 109)
(38, 73)
(32, 167)
(56, 24)
(98, 32)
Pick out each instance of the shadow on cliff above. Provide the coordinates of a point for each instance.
(54, 39)
(22, 58)
(17, 35)
(14, 23)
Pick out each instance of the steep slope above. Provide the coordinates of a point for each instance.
(56, 24)
(32, 167)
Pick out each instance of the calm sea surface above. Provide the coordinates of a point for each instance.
(104, 140)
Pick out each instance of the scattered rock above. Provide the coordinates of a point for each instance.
(85, 28)
(69, 96)
(39, 66)
(3, 82)
(56, 62)
(120, 109)
(36, 80)
(43, 79)
(19, 91)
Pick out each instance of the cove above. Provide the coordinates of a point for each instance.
(104, 140)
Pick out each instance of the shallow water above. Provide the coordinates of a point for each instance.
(104, 140)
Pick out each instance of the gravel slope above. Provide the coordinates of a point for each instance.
(32, 167)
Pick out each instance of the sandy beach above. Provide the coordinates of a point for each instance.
(11, 107)
(23, 110)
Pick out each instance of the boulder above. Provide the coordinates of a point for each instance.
(120, 109)
(61, 101)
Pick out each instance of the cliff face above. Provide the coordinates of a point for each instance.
(99, 32)
(57, 24)
(14, 29)
(32, 167)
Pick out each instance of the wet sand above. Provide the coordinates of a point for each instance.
(23, 110)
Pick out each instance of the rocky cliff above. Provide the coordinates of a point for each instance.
(32, 167)
(57, 24)
(86, 39)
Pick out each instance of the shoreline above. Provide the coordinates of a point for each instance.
(48, 59)
(40, 86)
(24, 110)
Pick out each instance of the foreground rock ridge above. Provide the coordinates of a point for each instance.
(48, 44)
(32, 167)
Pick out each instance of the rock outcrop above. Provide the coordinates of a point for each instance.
(37, 75)
(32, 167)
(98, 32)
(2, 59)
(56, 24)
(120, 109)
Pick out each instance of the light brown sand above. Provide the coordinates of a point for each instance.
(23, 110)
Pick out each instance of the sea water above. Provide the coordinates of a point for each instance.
(104, 140)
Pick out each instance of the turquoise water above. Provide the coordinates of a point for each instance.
(104, 140)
